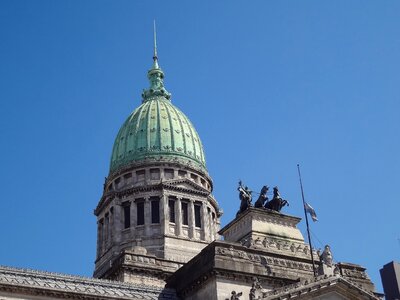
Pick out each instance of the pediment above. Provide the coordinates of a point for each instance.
(185, 184)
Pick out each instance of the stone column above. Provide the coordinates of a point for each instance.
(191, 219)
(133, 218)
(103, 240)
(111, 230)
(211, 225)
(147, 216)
(178, 216)
(204, 223)
(117, 223)
(98, 239)
(107, 229)
(164, 214)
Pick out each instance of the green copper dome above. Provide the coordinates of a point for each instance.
(157, 130)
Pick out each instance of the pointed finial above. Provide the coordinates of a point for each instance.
(156, 77)
(155, 57)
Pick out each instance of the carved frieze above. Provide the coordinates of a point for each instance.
(263, 259)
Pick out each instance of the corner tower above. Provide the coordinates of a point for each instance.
(157, 210)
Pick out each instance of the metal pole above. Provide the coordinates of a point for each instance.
(308, 227)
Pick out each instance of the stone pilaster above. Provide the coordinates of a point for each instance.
(162, 214)
(178, 216)
(111, 230)
(191, 219)
(98, 239)
(117, 223)
(108, 229)
(103, 239)
(133, 216)
(147, 216)
(205, 232)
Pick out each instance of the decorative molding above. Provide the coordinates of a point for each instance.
(264, 259)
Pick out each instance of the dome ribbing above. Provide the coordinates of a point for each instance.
(157, 129)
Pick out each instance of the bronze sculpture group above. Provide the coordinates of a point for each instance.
(245, 196)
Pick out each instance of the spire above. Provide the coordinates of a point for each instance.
(155, 76)
(155, 57)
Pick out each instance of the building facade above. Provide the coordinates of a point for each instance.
(390, 275)
(159, 236)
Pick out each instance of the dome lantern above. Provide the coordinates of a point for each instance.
(156, 78)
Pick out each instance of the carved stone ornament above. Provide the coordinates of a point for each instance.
(256, 290)
(326, 256)
(245, 196)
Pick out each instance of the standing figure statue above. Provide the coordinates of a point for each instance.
(326, 256)
(262, 198)
(245, 198)
(277, 202)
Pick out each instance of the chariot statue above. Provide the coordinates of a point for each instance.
(245, 198)
(262, 198)
(277, 203)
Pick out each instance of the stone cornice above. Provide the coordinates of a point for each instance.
(141, 263)
(24, 281)
(150, 162)
(164, 185)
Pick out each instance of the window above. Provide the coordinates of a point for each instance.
(127, 215)
(193, 177)
(168, 173)
(154, 174)
(171, 208)
(116, 182)
(203, 183)
(182, 173)
(155, 210)
(140, 212)
(185, 216)
(197, 215)
(140, 175)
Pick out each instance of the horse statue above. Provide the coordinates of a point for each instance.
(262, 198)
(245, 198)
(277, 202)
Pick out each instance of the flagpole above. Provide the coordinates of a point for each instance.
(308, 227)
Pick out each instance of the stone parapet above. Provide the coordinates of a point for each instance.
(136, 266)
(260, 223)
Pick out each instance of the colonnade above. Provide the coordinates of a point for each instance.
(200, 219)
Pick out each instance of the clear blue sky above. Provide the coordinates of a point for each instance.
(267, 84)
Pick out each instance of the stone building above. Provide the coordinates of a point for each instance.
(159, 235)
(390, 276)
